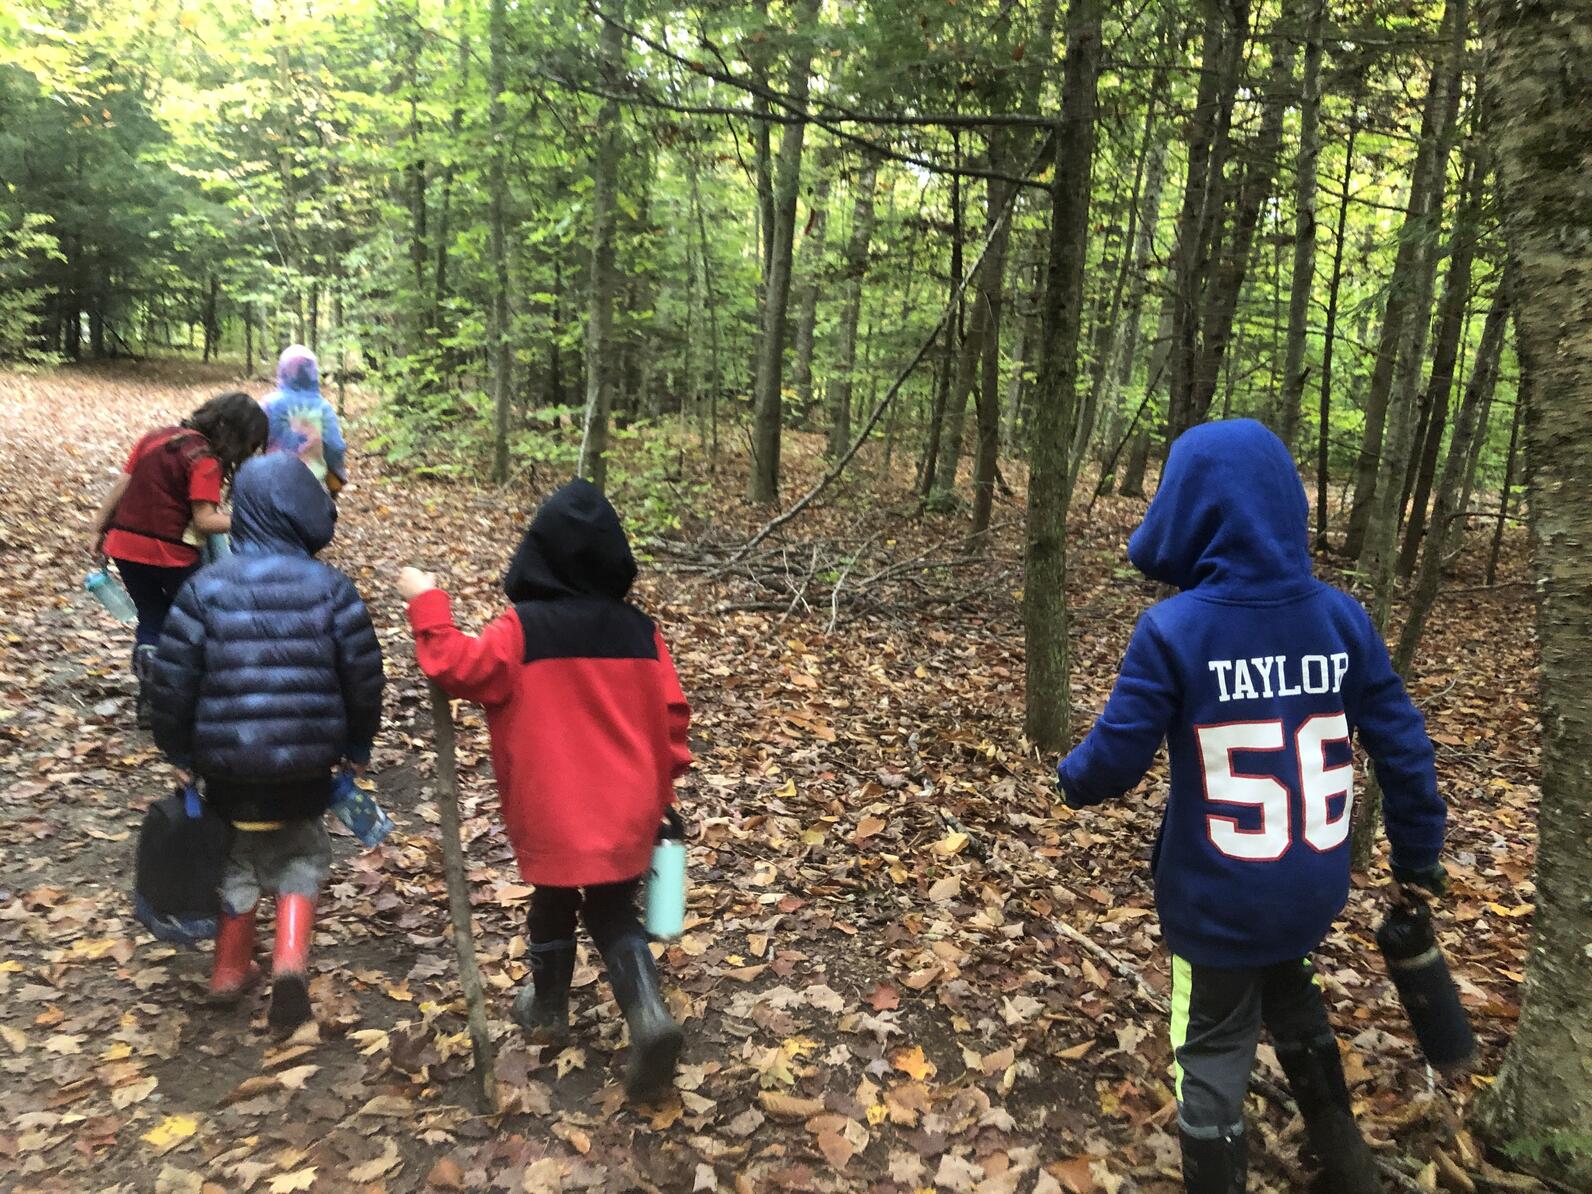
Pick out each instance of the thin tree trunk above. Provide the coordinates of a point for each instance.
(1506, 487)
(498, 185)
(1381, 536)
(767, 400)
(953, 326)
(1048, 693)
(807, 294)
(991, 297)
(1412, 269)
(1329, 334)
(1446, 508)
(600, 364)
(1541, 1102)
(1445, 355)
(248, 339)
(840, 385)
(1302, 282)
(1203, 207)
(1226, 279)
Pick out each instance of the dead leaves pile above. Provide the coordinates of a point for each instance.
(875, 990)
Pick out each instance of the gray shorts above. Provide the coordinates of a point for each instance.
(292, 860)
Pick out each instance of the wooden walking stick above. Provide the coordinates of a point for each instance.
(459, 899)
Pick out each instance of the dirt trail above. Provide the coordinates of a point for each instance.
(875, 994)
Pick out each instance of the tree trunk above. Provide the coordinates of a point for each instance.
(1445, 356)
(248, 339)
(1304, 258)
(498, 184)
(1446, 509)
(953, 326)
(1226, 279)
(1412, 270)
(1203, 207)
(1329, 334)
(1508, 484)
(1120, 370)
(1048, 694)
(1542, 1099)
(840, 385)
(991, 298)
(600, 364)
(807, 294)
(767, 402)
(1381, 535)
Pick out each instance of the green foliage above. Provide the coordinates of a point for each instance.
(23, 243)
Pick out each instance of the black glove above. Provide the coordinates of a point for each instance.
(1433, 880)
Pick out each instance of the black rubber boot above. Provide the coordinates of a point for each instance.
(542, 1006)
(1215, 1164)
(1315, 1074)
(655, 1039)
(143, 662)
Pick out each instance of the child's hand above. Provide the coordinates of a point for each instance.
(412, 582)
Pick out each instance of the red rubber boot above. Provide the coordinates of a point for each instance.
(290, 992)
(235, 969)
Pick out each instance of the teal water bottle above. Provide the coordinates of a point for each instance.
(217, 548)
(666, 881)
(108, 591)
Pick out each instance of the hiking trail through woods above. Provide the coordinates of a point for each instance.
(875, 991)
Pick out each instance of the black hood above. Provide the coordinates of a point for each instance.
(575, 547)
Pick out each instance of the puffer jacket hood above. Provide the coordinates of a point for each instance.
(279, 508)
(575, 547)
(1230, 516)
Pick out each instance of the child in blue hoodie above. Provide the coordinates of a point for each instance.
(1257, 676)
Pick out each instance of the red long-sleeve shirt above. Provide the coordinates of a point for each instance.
(588, 726)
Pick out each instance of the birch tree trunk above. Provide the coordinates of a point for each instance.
(498, 184)
(1542, 1098)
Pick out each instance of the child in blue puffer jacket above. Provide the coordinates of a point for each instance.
(1258, 677)
(269, 676)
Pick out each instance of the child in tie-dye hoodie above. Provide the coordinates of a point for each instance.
(303, 422)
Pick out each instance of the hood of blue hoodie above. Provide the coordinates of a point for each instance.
(279, 507)
(1230, 516)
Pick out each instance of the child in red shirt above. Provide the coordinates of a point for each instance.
(588, 727)
(172, 481)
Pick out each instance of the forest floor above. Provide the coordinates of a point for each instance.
(906, 966)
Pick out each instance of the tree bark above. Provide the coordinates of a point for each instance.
(1446, 509)
(1381, 534)
(1412, 269)
(1221, 63)
(1048, 694)
(1329, 335)
(953, 327)
(1542, 1099)
(807, 294)
(1508, 484)
(857, 245)
(1302, 282)
(498, 185)
(767, 402)
(600, 364)
(991, 298)
(1445, 356)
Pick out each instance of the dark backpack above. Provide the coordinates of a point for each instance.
(182, 847)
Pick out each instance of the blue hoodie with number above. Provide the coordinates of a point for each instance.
(1258, 677)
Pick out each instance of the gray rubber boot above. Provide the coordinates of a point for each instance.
(655, 1039)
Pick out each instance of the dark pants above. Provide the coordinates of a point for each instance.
(1216, 1019)
(609, 910)
(152, 589)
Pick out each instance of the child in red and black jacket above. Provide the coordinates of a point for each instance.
(588, 727)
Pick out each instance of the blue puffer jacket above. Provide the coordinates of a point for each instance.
(269, 671)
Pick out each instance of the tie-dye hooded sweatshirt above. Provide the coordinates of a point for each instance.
(303, 423)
